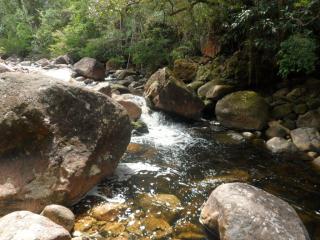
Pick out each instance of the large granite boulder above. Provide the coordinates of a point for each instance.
(240, 211)
(57, 141)
(90, 68)
(244, 110)
(164, 92)
(25, 225)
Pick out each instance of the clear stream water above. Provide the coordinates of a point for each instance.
(190, 160)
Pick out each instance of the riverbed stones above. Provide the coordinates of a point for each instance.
(108, 211)
(243, 110)
(166, 206)
(310, 119)
(60, 215)
(281, 145)
(164, 92)
(240, 211)
(90, 68)
(25, 225)
(276, 129)
(57, 141)
(306, 139)
(63, 59)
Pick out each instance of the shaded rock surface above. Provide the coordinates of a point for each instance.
(240, 211)
(25, 225)
(185, 70)
(57, 141)
(90, 68)
(244, 110)
(306, 139)
(165, 92)
(280, 145)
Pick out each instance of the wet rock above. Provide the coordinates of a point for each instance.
(244, 110)
(104, 88)
(165, 92)
(306, 139)
(235, 175)
(165, 206)
(240, 211)
(276, 130)
(139, 128)
(4, 68)
(185, 70)
(229, 138)
(133, 109)
(84, 224)
(122, 74)
(112, 229)
(189, 231)
(203, 90)
(90, 68)
(64, 59)
(56, 143)
(280, 145)
(80, 79)
(28, 226)
(60, 215)
(157, 227)
(119, 88)
(310, 119)
(108, 211)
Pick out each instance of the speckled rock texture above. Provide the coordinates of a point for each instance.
(239, 211)
(25, 225)
(57, 141)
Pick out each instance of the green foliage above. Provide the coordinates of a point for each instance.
(297, 55)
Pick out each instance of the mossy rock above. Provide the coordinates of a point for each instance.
(281, 111)
(139, 128)
(195, 85)
(204, 89)
(244, 110)
(185, 70)
(204, 74)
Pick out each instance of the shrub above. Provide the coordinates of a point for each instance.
(297, 55)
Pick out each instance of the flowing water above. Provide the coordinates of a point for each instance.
(190, 160)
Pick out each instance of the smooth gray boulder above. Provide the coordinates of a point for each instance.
(306, 139)
(239, 211)
(60, 215)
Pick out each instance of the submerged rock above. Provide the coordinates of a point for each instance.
(165, 92)
(25, 225)
(90, 68)
(240, 211)
(108, 211)
(245, 110)
(165, 206)
(60, 215)
(57, 141)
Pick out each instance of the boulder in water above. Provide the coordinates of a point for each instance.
(240, 211)
(25, 225)
(128, 102)
(164, 92)
(90, 68)
(244, 110)
(57, 141)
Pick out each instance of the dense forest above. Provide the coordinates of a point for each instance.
(279, 37)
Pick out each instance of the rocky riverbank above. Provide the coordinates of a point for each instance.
(62, 138)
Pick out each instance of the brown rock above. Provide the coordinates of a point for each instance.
(165, 92)
(90, 68)
(57, 141)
